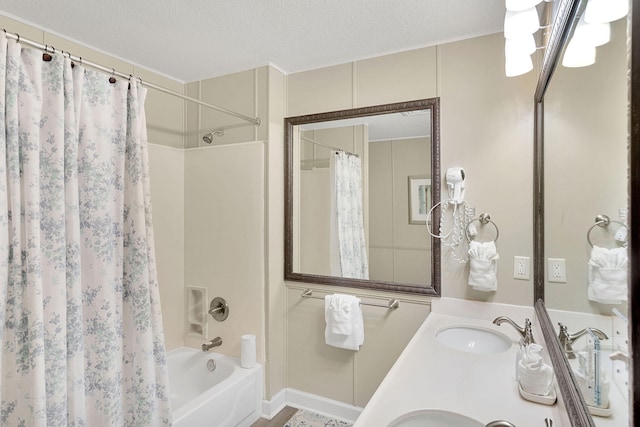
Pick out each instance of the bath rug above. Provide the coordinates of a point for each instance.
(304, 418)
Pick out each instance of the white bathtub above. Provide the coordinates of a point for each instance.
(230, 396)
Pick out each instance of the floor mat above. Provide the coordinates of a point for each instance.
(304, 418)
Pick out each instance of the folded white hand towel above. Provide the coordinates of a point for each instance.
(344, 326)
(483, 266)
(608, 275)
(534, 376)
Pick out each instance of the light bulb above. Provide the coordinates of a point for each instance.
(517, 65)
(524, 45)
(520, 5)
(520, 24)
(578, 54)
(601, 11)
(592, 34)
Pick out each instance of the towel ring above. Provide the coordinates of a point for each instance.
(483, 219)
(602, 221)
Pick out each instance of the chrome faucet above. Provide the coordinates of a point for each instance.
(567, 339)
(217, 341)
(525, 332)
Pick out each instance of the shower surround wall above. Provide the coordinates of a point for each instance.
(224, 237)
(166, 169)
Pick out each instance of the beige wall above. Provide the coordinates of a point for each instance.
(275, 372)
(345, 375)
(486, 127)
(244, 93)
(399, 251)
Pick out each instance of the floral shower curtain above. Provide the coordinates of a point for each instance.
(80, 324)
(348, 247)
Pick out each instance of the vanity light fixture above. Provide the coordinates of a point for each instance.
(518, 47)
(520, 24)
(601, 11)
(579, 54)
(593, 29)
(516, 65)
(520, 5)
(592, 34)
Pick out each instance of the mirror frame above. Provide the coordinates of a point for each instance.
(433, 104)
(563, 25)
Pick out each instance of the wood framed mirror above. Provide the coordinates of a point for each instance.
(396, 152)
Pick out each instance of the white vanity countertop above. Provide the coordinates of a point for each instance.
(428, 375)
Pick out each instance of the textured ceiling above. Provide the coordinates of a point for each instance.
(196, 39)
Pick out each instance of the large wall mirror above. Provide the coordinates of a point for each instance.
(583, 181)
(360, 185)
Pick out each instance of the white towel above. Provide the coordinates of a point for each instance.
(344, 325)
(608, 275)
(534, 376)
(483, 266)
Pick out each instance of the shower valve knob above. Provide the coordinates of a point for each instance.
(219, 309)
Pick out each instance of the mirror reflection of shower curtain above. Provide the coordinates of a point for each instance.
(347, 241)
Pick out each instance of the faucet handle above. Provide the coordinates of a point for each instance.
(525, 331)
(528, 332)
(562, 329)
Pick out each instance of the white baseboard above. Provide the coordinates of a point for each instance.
(270, 408)
(303, 400)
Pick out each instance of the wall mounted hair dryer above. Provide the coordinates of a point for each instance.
(455, 184)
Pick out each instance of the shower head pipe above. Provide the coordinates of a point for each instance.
(208, 137)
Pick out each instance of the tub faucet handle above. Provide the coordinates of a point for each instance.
(217, 341)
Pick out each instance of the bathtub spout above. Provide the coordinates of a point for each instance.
(217, 341)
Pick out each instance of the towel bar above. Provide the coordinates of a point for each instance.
(392, 304)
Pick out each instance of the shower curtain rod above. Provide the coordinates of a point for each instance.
(50, 49)
(328, 147)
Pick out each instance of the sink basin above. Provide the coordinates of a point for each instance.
(473, 339)
(434, 418)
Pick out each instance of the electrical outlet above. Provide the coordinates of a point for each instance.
(557, 270)
(521, 267)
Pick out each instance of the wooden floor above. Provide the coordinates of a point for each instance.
(279, 420)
